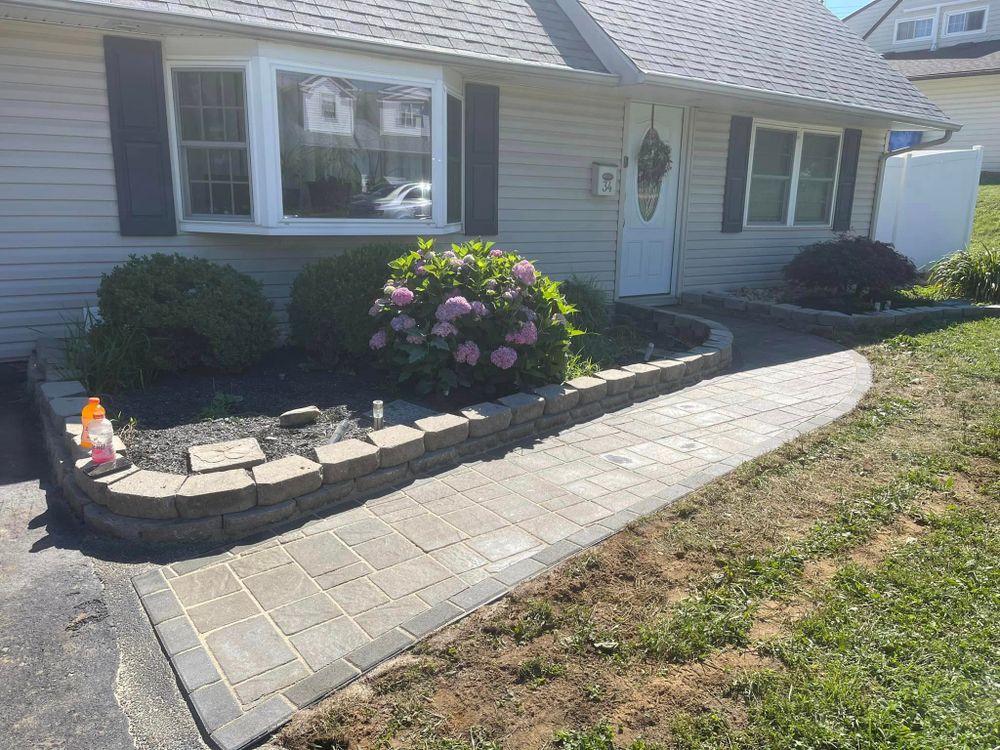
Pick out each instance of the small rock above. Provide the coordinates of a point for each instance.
(299, 417)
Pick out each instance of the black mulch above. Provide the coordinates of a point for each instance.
(175, 412)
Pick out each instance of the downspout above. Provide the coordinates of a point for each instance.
(883, 157)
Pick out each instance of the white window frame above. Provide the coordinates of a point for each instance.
(260, 69)
(949, 15)
(793, 188)
(917, 39)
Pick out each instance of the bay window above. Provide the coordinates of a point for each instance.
(322, 145)
(793, 176)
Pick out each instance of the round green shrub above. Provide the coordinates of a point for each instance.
(973, 273)
(851, 267)
(471, 316)
(193, 313)
(590, 301)
(330, 299)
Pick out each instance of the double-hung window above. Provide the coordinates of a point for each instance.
(286, 143)
(212, 140)
(793, 176)
(965, 22)
(914, 29)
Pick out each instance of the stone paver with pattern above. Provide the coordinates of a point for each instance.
(257, 631)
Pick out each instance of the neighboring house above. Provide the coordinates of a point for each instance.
(951, 52)
(269, 133)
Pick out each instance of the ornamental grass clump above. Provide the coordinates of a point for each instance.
(973, 273)
(470, 316)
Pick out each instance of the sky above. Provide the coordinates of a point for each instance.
(842, 7)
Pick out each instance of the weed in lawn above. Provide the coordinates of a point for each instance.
(539, 617)
(536, 671)
(600, 737)
(398, 680)
(594, 692)
(221, 406)
(903, 656)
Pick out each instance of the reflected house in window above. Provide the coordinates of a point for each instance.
(328, 105)
(352, 148)
(405, 111)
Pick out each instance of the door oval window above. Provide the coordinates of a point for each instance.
(653, 162)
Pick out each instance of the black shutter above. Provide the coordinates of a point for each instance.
(482, 159)
(139, 139)
(849, 152)
(737, 164)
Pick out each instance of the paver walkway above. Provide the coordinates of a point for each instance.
(260, 630)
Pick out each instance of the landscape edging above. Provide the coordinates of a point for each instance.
(829, 323)
(351, 478)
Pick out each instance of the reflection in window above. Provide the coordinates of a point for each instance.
(963, 23)
(771, 176)
(354, 149)
(211, 113)
(817, 172)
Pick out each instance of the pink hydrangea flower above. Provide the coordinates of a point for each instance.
(449, 254)
(467, 353)
(401, 296)
(453, 307)
(480, 310)
(378, 340)
(524, 272)
(414, 338)
(402, 323)
(496, 252)
(418, 269)
(443, 328)
(503, 357)
(526, 335)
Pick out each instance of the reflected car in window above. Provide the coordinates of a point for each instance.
(411, 201)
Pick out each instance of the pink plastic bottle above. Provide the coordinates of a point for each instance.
(102, 437)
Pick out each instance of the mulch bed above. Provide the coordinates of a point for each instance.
(171, 414)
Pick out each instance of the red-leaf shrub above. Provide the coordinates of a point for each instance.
(851, 267)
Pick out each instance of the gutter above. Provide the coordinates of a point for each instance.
(733, 89)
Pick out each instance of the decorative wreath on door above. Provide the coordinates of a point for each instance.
(653, 163)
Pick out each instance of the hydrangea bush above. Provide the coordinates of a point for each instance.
(473, 315)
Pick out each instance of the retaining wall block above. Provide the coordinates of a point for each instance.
(619, 381)
(487, 418)
(244, 522)
(646, 375)
(216, 493)
(145, 494)
(397, 445)
(524, 407)
(558, 398)
(346, 460)
(326, 495)
(591, 389)
(443, 431)
(286, 478)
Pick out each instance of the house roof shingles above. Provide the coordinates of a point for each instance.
(974, 58)
(527, 31)
(794, 47)
(790, 47)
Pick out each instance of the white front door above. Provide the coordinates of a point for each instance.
(650, 180)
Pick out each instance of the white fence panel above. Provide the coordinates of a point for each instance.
(927, 202)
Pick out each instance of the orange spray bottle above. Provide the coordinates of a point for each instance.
(85, 417)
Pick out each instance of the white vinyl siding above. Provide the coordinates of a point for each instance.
(755, 256)
(548, 145)
(882, 39)
(973, 101)
(59, 216)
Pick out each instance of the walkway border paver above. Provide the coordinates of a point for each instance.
(363, 591)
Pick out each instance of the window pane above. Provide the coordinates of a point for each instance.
(771, 176)
(211, 108)
(454, 160)
(923, 28)
(812, 204)
(819, 155)
(354, 149)
(817, 172)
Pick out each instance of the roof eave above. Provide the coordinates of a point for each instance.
(954, 74)
(732, 89)
(419, 52)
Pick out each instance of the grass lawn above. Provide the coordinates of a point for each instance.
(841, 592)
(986, 226)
